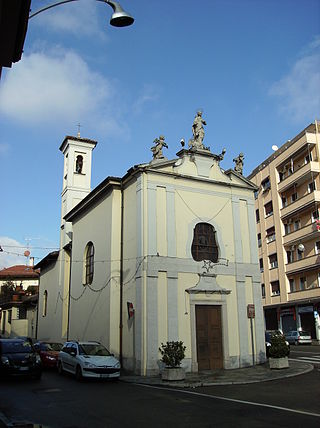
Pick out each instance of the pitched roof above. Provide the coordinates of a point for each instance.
(19, 271)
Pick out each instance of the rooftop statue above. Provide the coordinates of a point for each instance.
(239, 163)
(157, 148)
(198, 133)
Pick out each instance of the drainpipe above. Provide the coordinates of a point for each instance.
(121, 277)
(69, 296)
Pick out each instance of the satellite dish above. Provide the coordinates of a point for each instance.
(301, 248)
(27, 253)
(275, 148)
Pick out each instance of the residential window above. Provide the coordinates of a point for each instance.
(259, 240)
(275, 288)
(79, 164)
(256, 193)
(303, 283)
(317, 247)
(292, 285)
(22, 313)
(268, 209)
(273, 260)
(45, 303)
(261, 265)
(289, 256)
(287, 228)
(284, 201)
(311, 187)
(263, 291)
(281, 176)
(294, 196)
(257, 216)
(314, 216)
(297, 225)
(89, 263)
(299, 254)
(266, 184)
(204, 245)
(271, 234)
(308, 158)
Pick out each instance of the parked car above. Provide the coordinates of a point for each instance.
(268, 334)
(88, 360)
(18, 357)
(49, 352)
(296, 337)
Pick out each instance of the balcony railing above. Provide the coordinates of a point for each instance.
(301, 235)
(305, 264)
(299, 176)
(300, 204)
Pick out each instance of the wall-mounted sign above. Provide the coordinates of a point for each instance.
(251, 311)
(130, 310)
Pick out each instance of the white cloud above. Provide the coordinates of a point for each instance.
(80, 20)
(12, 253)
(298, 92)
(52, 88)
(149, 94)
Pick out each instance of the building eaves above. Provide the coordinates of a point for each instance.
(19, 271)
(47, 260)
(310, 128)
(93, 197)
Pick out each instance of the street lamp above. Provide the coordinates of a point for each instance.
(119, 18)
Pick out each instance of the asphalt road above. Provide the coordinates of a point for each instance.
(61, 402)
(310, 354)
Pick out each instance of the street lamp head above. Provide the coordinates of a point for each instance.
(119, 18)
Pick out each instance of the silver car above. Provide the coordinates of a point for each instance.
(296, 337)
(88, 360)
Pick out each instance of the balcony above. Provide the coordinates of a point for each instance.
(303, 265)
(299, 176)
(307, 293)
(301, 235)
(300, 204)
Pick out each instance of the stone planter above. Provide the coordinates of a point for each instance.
(173, 373)
(279, 363)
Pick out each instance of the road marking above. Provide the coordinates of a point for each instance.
(251, 403)
(306, 359)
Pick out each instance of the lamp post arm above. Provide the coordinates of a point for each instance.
(63, 2)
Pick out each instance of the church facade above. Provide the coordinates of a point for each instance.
(167, 252)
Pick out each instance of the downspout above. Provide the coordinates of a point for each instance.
(69, 296)
(37, 319)
(121, 277)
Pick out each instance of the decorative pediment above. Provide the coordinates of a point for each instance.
(207, 284)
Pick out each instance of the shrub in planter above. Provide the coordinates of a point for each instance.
(172, 353)
(278, 348)
(278, 352)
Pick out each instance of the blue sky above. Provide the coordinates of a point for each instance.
(252, 66)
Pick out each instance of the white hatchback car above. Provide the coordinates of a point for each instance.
(88, 360)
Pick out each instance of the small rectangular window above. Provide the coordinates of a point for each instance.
(308, 158)
(261, 265)
(292, 285)
(266, 184)
(257, 216)
(297, 225)
(311, 187)
(259, 240)
(275, 288)
(317, 247)
(271, 234)
(302, 283)
(273, 260)
(263, 291)
(294, 197)
(268, 209)
(315, 216)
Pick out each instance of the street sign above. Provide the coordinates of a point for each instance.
(251, 311)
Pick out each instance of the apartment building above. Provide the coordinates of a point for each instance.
(287, 205)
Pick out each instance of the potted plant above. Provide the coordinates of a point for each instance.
(172, 354)
(278, 352)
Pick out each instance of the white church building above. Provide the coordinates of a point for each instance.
(166, 252)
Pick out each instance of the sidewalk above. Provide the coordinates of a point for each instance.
(259, 373)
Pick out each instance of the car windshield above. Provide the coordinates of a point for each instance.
(50, 346)
(271, 332)
(16, 347)
(304, 333)
(93, 349)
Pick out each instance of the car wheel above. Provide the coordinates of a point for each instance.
(60, 368)
(78, 373)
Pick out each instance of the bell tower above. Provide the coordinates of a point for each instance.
(77, 154)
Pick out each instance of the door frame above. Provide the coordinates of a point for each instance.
(224, 329)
